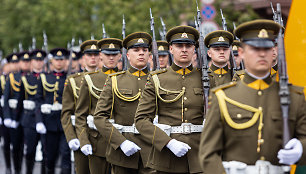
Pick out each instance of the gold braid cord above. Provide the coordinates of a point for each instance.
(28, 88)
(74, 87)
(47, 86)
(222, 99)
(91, 87)
(14, 84)
(121, 96)
(2, 82)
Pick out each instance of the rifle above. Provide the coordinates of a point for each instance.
(236, 38)
(92, 37)
(124, 58)
(20, 47)
(103, 32)
(154, 44)
(231, 59)
(284, 92)
(164, 31)
(276, 17)
(45, 48)
(199, 60)
(203, 57)
(80, 41)
(69, 71)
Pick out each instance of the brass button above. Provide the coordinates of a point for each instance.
(260, 108)
(183, 77)
(139, 78)
(239, 115)
(57, 77)
(220, 75)
(139, 89)
(186, 109)
(185, 98)
(262, 158)
(186, 121)
(183, 88)
(261, 141)
(259, 93)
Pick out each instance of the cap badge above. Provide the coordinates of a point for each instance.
(73, 55)
(93, 47)
(235, 47)
(221, 39)
(38, 54)
(59, 53)
(140, 40)
(184, 35)
(263, 33)
(26, 56)
(161, 48)
(111, 45)
(14, 57)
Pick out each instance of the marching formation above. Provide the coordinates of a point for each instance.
(139, 105)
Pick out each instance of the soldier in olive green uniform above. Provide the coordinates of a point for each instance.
(114, 116)
(174, 94)
(235, 45)
(163, 54)
(91, 141)
(244, 124)
(218, 43)
(70, 98)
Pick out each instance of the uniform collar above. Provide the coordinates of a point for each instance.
(257, 83)
(60, 73)
(180, 70)
(136, 72)
(108, 70)
(36, 74)
(219, 70)
(274, 69)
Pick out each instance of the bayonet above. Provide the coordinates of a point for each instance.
(154, 43)
(124, 58)
(33, 43)
(69, 71)
(104, 32)
(164, 31)
(92, 37)
(224, 24)
(20, 47)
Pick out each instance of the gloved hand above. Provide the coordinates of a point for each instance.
(14, 124)
(129, 147)
(41, 128)
(87, 149)
(292, 152)
(7, 122)
(178, 148)
(74, 144)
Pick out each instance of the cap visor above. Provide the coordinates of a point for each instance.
(260, 43)
(110, 51)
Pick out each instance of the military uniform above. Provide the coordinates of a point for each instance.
(163, 49)
(29, 84)
(174, 94)
(70, 97)
(244, 122)
(118, 102)
(13, 107)
(48, 111)
(235, 45)
(90, 90)
(219, 75)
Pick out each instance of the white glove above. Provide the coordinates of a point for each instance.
(129, 147)
(74, 144)
(87, 149)
(14, 124)
(90, 122)
(292, 152)
(7, 122)
(178, 148)
(41, 128)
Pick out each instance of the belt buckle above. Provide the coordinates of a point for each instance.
(262, 166)
(186, 128)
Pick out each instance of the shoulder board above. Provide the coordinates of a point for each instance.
(297, 89)
(93, 72)
(224, 86)
(158, 71)
(117, 73)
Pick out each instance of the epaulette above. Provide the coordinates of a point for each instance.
(297, 89)
(93, 72)
(74, 75)
(226, 85)
(117, 73)
(158, 71)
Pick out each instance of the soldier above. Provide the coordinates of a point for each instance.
(13, 108)
(92, 143)
(175, 94)
(244, 125)
(28, 92)
(5, 128)
(218, 43)
(75, 66)
(114, 116)
(48, 109)
(163, 54)
(70, 99)
(238, 59)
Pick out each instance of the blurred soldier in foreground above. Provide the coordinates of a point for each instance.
(244, 123)
(175, 94)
